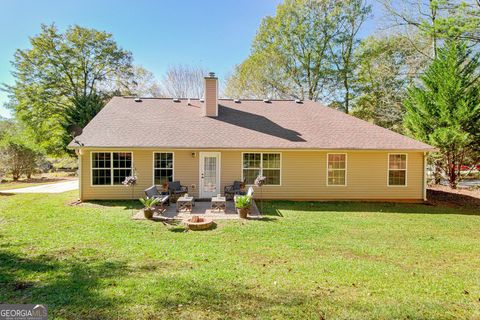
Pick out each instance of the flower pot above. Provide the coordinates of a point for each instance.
(243, 212)
(148, 212)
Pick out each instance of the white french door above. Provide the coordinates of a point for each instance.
(209, 174)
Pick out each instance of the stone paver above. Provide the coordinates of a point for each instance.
(201, 208)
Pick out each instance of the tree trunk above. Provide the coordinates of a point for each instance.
(15, 175)
(347, 94)
(437, 174)
(452, 177)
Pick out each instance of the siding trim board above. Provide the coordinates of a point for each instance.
(80, 175)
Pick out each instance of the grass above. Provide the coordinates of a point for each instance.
(306, 261)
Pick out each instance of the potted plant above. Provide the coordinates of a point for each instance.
(149, 206)
(243, 203)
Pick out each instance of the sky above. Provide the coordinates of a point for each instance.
(215, 34)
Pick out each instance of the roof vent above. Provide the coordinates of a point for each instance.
(189, 102)
(267, 100)
(137, 99)
(236, 100)
(176, 100)
(298, 101)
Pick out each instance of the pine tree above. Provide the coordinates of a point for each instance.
(444, 110)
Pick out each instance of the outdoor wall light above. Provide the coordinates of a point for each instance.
(194, 154)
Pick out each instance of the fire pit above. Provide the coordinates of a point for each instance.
(198, 223)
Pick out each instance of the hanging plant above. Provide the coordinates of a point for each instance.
(260, 181)
(130, 181)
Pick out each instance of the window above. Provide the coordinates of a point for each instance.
(337, 169)
(110, 168)
(162, 167)
(266, 164)
(397, 169)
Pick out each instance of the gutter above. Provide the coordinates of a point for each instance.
(425, 176)
(248, 148)
(80, 184)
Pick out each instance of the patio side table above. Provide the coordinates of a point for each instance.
(185, 204)
(219, 204)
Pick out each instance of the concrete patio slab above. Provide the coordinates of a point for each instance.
(201, 208)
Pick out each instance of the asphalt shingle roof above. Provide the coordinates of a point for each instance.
(250, 124)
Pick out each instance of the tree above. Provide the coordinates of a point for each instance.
(6, 126)
(142, 83)
(291, 52)
(65, 71)
(252, 80)
(444, 110)
(385, 67)
(352, 15)
(437, 20)
(182, 81)
(18, 156)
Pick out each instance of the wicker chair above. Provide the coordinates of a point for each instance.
(152, 192)
(176, 190)
(233, 190)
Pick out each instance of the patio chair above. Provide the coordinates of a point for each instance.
(152, 192)
(176, 190)
(233, 190)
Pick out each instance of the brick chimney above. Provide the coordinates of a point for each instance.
(211, 95)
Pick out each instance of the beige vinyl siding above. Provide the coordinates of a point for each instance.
(303, 175)
(185, 170)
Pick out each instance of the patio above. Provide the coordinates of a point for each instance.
(202, 209)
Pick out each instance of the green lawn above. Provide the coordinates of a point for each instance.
(306, 261)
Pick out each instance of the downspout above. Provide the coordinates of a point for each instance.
(80, 184)
(424, 176)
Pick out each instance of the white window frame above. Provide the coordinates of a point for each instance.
(406, 171)
(155, 168)
(261, 166)
(346, 170)
(111, 168)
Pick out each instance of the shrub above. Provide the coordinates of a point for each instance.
(18, 156)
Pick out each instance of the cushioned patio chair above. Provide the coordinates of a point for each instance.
(233, 190)
(152, 192)
(176, 190)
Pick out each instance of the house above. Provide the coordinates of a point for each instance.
(307, 151)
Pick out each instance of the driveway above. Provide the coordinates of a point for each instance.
(58, 187)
